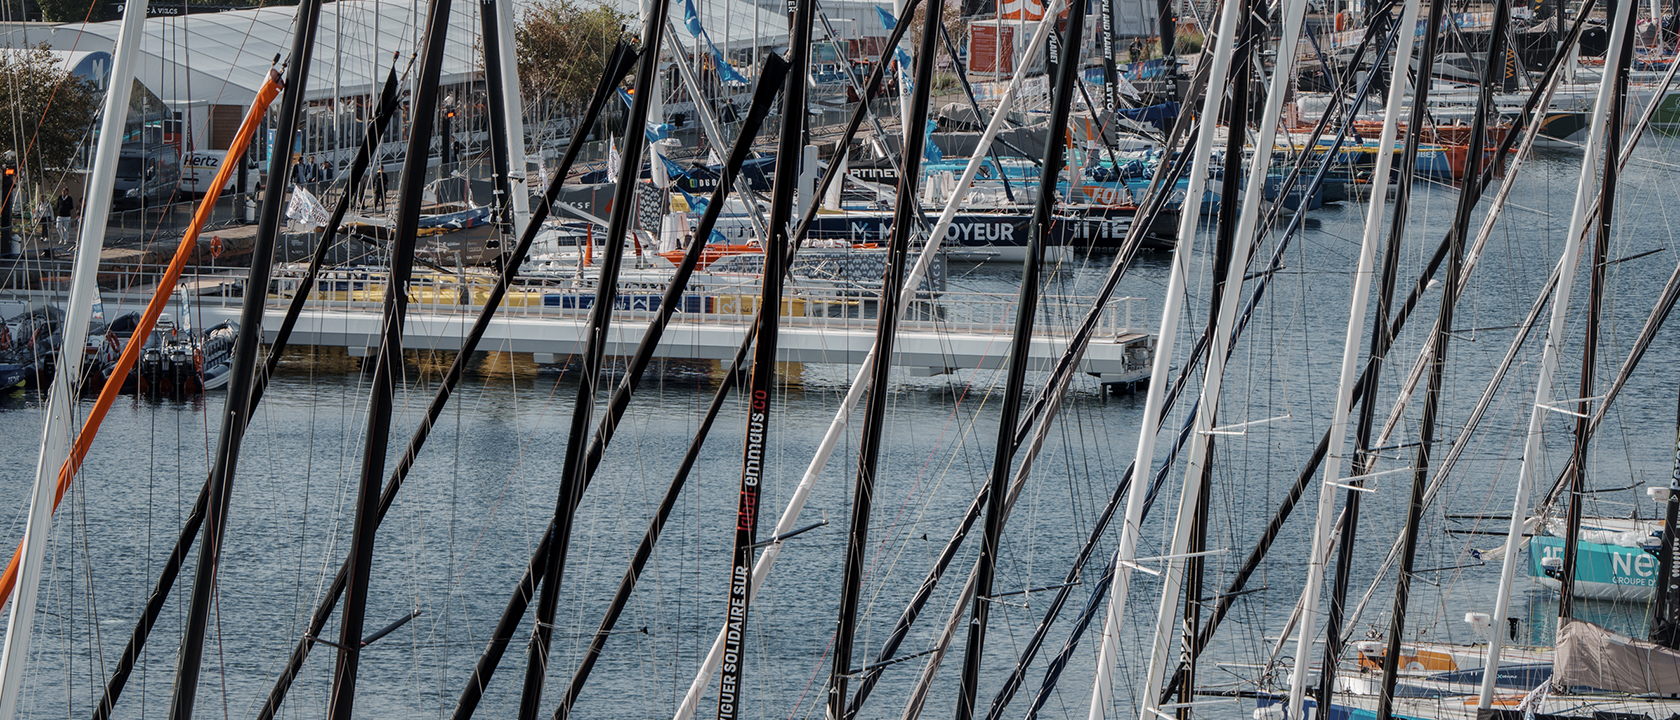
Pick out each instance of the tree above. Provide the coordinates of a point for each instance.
(77, 10)
(563, 46)
(48, 110)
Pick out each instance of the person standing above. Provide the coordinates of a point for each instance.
(326, 172)
(1135, 50)
(379, 188)
(65, 211)
(44, 218)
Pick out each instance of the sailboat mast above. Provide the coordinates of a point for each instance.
(189, 528)
(1625, 12)
(1026, 304)
(242, 376)
(771, 74)
(1549, 354)
(1665, 607)
(618, 64)
(451, 377)
(1172, 307)
(1363, 274)
(341, 704)
(55, 440)
(755, 451)
(495, 89)
(905, 214)
(1223, 248)
(1437, 364)
(1222, 319)
(1382, 337)
(600, 317)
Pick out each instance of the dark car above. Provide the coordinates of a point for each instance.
(147, 176)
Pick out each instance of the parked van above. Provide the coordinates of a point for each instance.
(147, 176)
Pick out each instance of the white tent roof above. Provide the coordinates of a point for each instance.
(222, 58)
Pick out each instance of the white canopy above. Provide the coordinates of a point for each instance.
(222, 58)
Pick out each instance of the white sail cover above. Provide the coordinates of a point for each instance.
(1592, 656)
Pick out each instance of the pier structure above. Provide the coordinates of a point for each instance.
(945, 332)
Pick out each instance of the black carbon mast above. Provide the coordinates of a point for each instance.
(1665, 605)
(1437, 363)
(452, 377)
(1595, 302)
(886, 327)
(516, 606)
(388, 366)
(770, 76)
(594, 350)
(777, 253)
(495, 98)
(236, 413)
(1025, 314)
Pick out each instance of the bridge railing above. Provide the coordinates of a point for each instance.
(973, 312)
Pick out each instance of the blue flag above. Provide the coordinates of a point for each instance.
(725, 70)
(904, 67)
(930, 150)
(691, 18)
(622, 95)
(695, 205)
(887, 20)
(717, 238)
(657, 131)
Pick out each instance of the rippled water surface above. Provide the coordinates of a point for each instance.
(464, 525)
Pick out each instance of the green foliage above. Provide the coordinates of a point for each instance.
(76, 10)
(563, 49)
(49, 110)
(1187, 42)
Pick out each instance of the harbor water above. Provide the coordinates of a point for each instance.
(465, 523)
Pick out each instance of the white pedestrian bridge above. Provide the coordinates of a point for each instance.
(943, 332)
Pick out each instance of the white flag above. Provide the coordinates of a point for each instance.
(305, 209)
(613, 161)
(1128, 89)
(712, 156)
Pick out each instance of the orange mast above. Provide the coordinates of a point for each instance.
(160, 300)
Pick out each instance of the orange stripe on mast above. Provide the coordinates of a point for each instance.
(160, 300)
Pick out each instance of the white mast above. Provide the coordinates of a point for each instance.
(860, 383)
(514, 114)
(1214, 375)
(1161, 366)
(1335, 460)
(55, 440)
(1549, 354)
